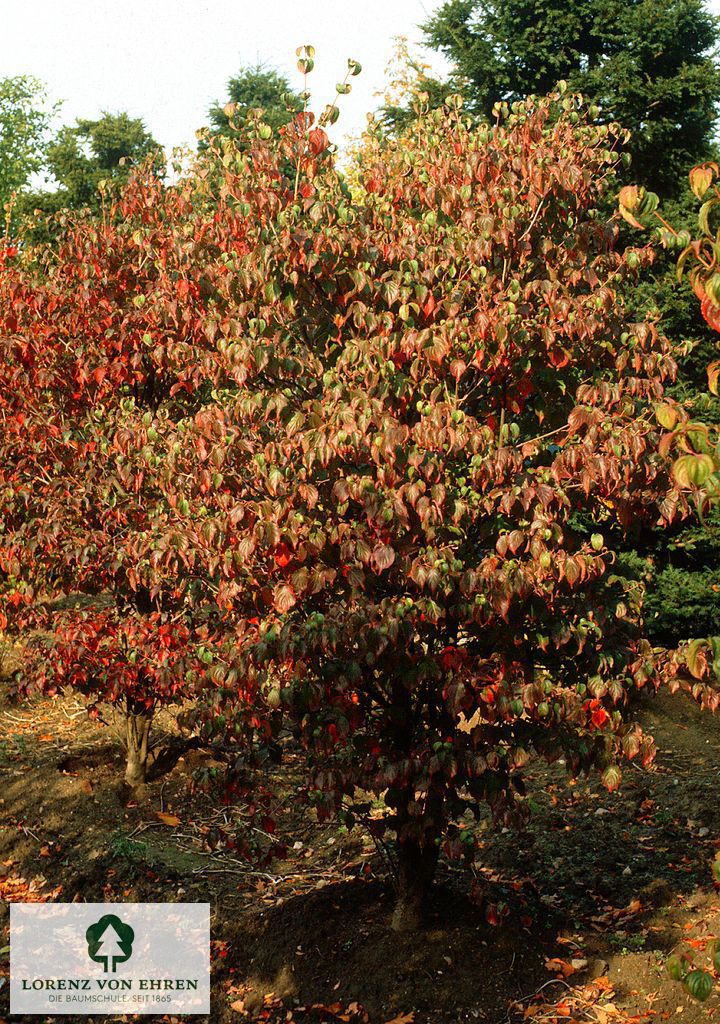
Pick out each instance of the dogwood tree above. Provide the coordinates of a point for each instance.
(444, 424)
(104, 343)
(695, 445)
(111, 340)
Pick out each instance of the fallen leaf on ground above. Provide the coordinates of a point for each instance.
(167, 819)
(559, 966)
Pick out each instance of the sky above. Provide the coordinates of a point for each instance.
(166, 61)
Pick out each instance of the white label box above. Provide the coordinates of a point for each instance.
(109, 958)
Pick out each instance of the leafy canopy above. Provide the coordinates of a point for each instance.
(653, 68)
(255, 87)
(84, 155)
(650, 66)
(354, 465)
(442, 413)
(102, 345)
(25, 119)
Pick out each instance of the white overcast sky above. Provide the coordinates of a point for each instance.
(166, 61)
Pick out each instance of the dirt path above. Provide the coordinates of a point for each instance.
(595, 891)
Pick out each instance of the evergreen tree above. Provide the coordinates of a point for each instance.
(254, 87)
(83, 155)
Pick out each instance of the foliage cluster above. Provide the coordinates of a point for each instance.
(25, 118)
(654, 69)
(651, 67)
(349, 466)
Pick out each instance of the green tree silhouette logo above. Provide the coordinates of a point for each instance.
(110, 942)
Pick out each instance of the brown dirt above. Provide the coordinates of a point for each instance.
(596, 884)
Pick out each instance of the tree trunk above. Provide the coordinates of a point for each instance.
(416, 871)
(137, 732)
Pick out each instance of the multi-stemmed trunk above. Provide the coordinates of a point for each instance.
(137, 733)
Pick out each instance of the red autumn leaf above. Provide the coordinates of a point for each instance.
(599, 717)
(428, 307)
(319, 141)
(450, 657)
(711, 313)
(284, 597)
(283, 555)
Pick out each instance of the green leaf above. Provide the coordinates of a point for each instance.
(693, 470)
(699, 984)
(676, 967)
(693, 659)
(704, 215)
(666, 415)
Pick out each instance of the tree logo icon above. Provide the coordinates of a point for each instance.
(110, 942)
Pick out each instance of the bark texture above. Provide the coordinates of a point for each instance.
(137, 732)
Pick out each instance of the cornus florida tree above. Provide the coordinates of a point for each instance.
(443, 425)
(113, 340)
(105, 345)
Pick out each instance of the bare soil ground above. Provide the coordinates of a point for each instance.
(570, 919)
